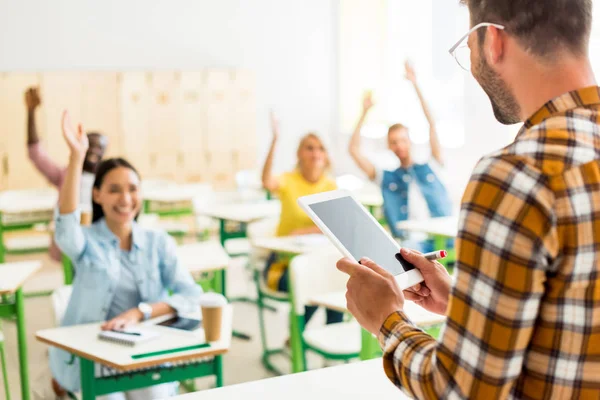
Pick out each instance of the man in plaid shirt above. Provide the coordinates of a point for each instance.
(524, 306)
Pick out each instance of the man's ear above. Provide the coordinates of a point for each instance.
(494, 46)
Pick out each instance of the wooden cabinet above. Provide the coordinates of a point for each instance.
(16, 170)
(135, 107)
(187, 126)
(100, 108)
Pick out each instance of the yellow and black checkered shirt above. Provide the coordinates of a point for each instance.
(524, 312)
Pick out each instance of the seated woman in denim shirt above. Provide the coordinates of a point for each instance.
(124, 272)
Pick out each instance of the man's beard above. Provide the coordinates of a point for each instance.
(506, 109)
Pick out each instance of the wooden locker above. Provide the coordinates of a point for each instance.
(100, 108)
(192, 126)
(60, 91)
(134, 104)
(17, 170)
(243, 111)
(218, 112)
(164, 127)
(221, 169)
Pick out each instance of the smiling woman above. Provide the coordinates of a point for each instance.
(124, 273)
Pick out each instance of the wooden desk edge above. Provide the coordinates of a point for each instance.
(137, 365)
(21, 283)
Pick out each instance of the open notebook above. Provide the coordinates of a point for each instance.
(128, 337)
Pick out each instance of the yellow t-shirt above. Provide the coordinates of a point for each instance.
(292, 185)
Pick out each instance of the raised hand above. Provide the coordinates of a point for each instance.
(368, 102)
(76, 139)
(274, 126)
(32, 98)
(410, 72)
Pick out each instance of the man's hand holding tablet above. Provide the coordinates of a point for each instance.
(375, 290)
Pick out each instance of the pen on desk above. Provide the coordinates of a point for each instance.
(127, 333)
(436, 255)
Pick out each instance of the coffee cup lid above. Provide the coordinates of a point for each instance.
(212, 299)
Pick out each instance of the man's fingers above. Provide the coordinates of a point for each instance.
(374, 267)
(348, 266)
(416, 259)
(412, 296)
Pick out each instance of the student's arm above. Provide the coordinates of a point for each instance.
(363, 162)
(496, 297)
(68, 234)
(185, 293)
(270, 182)
(53, 173)
(434, 143)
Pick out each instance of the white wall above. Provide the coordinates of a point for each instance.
(291, 45)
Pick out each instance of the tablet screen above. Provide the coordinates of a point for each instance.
(362, 237)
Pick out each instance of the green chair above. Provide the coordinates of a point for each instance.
(312, 275)
(3, 366)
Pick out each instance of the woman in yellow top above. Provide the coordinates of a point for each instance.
(309, 177)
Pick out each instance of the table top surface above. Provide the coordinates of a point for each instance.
(82, 340)
(356, 381)
(203, 256)
(419, 316)
(446, 226)
(14, 275)
(293, 244)
(20, 201)
(170, 192)
(243, 212)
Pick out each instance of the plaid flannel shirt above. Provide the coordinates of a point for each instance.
(524, 312)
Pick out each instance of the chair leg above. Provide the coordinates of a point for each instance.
(266, 353)
(4, 371)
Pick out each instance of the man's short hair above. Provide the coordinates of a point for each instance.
(544, 27)
(396, 127)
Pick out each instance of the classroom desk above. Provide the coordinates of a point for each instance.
(370, 346)
(240, 213)
(22, 210)
(172, 199)
(12, 278)
(292, 245)
(204, 257)
(356, 381)
(441, 229)
(176, 348)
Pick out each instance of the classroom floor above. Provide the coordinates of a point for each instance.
(241, 364)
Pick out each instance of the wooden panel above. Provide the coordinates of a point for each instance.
(243, 104)
(218, 112)
(60, 91)
(17, 171)
(100, 108)
(135, 106)
(221, 169)
(164, 132)
(192, 125)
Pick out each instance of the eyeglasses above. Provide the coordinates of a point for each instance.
(461, 52)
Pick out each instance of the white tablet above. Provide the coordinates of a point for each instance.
(357, 234)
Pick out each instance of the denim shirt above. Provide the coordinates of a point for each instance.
(395, 186)
(95, 254)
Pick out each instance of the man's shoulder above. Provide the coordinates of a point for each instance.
(555, 146)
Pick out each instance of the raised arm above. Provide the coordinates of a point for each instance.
(44, 164)
(69, 235)
(363, 162)
(436, 148)
(268, 180)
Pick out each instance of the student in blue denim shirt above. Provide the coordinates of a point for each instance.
(413, 191)
(124, 272)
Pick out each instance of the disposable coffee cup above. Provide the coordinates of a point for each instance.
(212, 305)
(86, 216)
